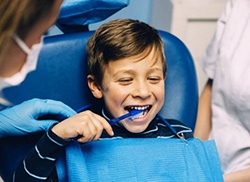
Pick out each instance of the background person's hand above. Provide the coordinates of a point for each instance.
(32, 116)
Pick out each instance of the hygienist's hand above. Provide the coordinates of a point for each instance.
(86, 126)
(26, 117)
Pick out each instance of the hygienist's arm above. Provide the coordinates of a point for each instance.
(24, 118)
(203, 122)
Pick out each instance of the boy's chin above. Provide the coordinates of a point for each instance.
(135, 128)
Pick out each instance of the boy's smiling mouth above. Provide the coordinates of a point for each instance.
(145, 108)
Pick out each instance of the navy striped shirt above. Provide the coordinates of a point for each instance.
(39, 165)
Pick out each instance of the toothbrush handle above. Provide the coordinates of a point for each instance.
(116, 120)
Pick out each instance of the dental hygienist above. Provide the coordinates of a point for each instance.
(22, 26)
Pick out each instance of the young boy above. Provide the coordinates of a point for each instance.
(127, 69)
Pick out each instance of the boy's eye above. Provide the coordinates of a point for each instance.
(125, 80)
(154, 79)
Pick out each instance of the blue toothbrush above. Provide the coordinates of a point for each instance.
(132, 114)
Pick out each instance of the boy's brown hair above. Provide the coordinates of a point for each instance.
(121, 38)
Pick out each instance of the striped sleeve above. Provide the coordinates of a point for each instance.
(40, 162)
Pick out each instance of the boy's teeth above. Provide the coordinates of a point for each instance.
(139, 107)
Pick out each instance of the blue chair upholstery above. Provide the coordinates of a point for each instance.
(61, 75)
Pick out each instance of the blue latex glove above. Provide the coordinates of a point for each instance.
(27, 117)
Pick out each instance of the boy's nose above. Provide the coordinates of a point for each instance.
(141, 90)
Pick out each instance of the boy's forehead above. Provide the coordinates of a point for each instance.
(152, 52)
(151, 59)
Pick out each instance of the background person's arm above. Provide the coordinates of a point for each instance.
(203, 122)
(239, 176)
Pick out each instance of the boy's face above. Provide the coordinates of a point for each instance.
(131, 82)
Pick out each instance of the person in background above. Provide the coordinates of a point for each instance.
(224, 107)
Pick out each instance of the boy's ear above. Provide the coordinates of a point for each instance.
(94, 87)
(165, 76)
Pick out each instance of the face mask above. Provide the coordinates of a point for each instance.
(29, 65)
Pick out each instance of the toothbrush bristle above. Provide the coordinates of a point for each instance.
(136, 113)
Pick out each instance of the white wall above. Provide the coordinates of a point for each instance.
(194, 22)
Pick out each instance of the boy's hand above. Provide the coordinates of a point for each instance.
(86, 125)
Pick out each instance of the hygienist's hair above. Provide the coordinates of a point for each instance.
(121, 38)
(18, 16)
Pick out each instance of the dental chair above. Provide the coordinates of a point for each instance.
(61, 75)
